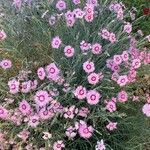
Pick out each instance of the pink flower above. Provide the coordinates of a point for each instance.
(80, 92)
(3, 113)
(89, 17)
(61, 5)
(59, 145)
(136, 63)
(25, 107)
(79, 13)
(69, 51)
(3, 35)
(34, 84)
(52, 71)
(93, 97)
(122, 96)
(84, 130)
(105, 34)
(112, 38)
(96, 48)
(148, 38)
(13, 86)
(93, 78)
(117, 59)
(24, 134)
(69, 112)
(47, 135)
(88, 66)
(76, 1)
(25, 87)
(128, 28)
(83, 112)
(41, 73)
(44, 114)
(70, 22)
(111, 126)
(111, 106)
(100, 145)
(125, 56)
(41, 98)
(123, 80)
(70, 132)
(92, 2)
(56, 42)
(33, 121)
(85, 46)
(6, 64)
(146, 109)
(17, 3)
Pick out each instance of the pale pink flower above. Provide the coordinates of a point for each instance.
(115, 76)
(83, 112)
(17, 3)
(96, 48)
(69, 51)
(111, 126)
(123, 80)
(100, 145)
(70, 132)
(47, 135)
(69, 14)
(146, 110)
(52, 71)
(3, 35)
(117, 59)
(70, 22)
(136, 63)
(3, 113)
(33, 121)
(76, 2)
(89, 9)
(61, 5)
(148, 38)
(125, 56)
(92, 2)
(44, 114)
(13, 86)
(111, 106)
(93, 97)
(89, 17)
(56, 42)
(24, 134)
(25, 107)
(41, 73)
(112, 38)
(84, 130)
(88, 66)
(25, 87)
(69, 112)
(105, 34)
(122, 96)
(6, 64)
(128, 28)
(34, 84)
(93, 78)
(59, 145)
(41, 98)
(79, 13)
(80, 92)
(85, 46)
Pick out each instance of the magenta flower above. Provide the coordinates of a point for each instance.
(93, 97)
(56, 42)
(6, 64)
(69, 51)
(41, 73)
(80, 92)
(88, 66)
(41, 98)
(122, 96)
(84, 130)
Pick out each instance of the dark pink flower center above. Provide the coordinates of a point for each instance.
(41, 98)
(122, 80)
(88, 66)
(13, 86)
(34, 120)
(1, 111)
(68, 113)
(24, 106)
(122, 96)
(93, 97)
(52, 70)
(86, 130)
(58, 145)
(45, 113)
(81, 92)
(5, 64)
(93, 78)
(69, 51)
(96, 48)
